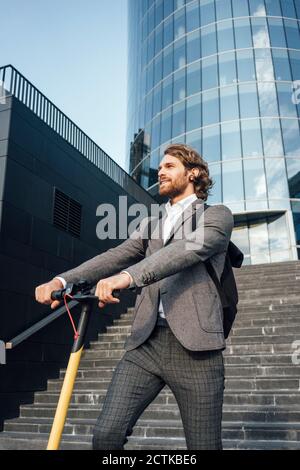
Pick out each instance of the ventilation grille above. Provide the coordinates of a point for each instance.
(66, 213)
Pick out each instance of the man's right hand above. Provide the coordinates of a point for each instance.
(43, 293)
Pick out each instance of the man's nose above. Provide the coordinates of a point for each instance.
(161, 173)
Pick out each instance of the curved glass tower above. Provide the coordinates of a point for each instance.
(221, 76)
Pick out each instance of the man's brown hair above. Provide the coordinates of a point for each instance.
(190, 158)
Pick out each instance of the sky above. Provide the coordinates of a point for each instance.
(75, 52)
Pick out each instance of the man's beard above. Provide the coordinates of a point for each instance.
(173, 188)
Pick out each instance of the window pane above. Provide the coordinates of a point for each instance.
(193, 79)
(151, 49)
(293, 171)
(225, 36)
(231, 140)
(276, 178)
(267, 99)
(257, 8)
(166, 121)
(150, 77)
(276, 32)
(157, 69)
(292, 33)
(272, 138)
(223, 9)
(240, 238)
(155, 134)
(194, 139)
(291, 137)
(151, 20)
(168, 7)
(255, 180)
(168, 31)
(179, 23)
(286, 106)
(192, 16)
(251, 138)
(179, 86)
(154, 162)
(178, 119)
(229, 103)
(242, 31)
(264, 65)
(288, 9)
(296, 218)
(210, 107)
(211, 143)
(227, 68)
(158, 39)
(259, 242)
(232, 182)
(216, 191)
(248, 100)
(193, 113)
(208, 40)
(295, 64)
(207, 12)
(278, 238)
(273, 7)
(209, 73)
(168, 61)
(157, 100)
(260, 32)
(281, 64)
(159, 10)
(179, 54)
(149, 100)
(167, 92)
(240, 8)
(245, 66)
(193, 46)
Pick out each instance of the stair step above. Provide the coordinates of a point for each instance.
(266, 397)
(32, 441)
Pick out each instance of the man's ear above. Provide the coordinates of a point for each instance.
(195, 172)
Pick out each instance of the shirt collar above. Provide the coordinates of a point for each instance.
(182, 204)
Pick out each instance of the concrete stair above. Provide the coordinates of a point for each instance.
(262, 388)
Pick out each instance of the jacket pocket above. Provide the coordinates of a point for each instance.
(210, 316)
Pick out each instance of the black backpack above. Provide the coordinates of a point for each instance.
(226, 287)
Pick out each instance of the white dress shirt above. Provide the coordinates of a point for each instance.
(174, 211)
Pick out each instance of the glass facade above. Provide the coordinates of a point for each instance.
(221, 76)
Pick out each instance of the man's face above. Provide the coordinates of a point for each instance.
(173, 177)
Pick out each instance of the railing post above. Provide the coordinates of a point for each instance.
(2, 353)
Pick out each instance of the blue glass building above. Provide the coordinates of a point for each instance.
(220, 76)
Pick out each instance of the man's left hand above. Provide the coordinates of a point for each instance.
(105, 287)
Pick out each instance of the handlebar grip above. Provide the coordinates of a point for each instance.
(116, 293)
(57, 295)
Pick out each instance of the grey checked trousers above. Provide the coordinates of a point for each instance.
(196, 379)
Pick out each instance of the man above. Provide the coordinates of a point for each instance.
(177, 334)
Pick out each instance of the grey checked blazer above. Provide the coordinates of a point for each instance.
(176, 272)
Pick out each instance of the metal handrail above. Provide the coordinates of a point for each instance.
(13, 83)
(12, 343)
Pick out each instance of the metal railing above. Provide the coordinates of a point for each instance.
(12, 343)
(13, 83)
